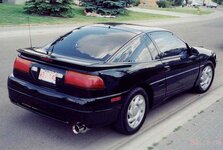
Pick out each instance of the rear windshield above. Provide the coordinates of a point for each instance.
(91, 43)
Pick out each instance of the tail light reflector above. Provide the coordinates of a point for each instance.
(22, 65)
(115, 99)
(83, 80)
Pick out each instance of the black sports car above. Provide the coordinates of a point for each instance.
(105, 74)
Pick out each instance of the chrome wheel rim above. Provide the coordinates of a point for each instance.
(206, 77)
(136, 111)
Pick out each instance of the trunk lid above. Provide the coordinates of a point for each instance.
(51, 72)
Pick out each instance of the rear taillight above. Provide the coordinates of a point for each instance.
(83, 80)
(22, 65)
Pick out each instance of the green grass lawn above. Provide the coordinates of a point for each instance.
(188, 10)
(14, 15)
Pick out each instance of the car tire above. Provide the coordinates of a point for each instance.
(206, 77)
(133, 113)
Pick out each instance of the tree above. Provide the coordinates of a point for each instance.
(57, 8)
(106, 7)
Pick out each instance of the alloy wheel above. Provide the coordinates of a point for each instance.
(136, 111)
(206, 77)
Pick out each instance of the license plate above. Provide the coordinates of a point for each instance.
(47, 76)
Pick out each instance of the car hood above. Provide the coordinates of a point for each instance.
(205, 51)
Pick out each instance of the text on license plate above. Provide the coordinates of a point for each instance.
(47, 76)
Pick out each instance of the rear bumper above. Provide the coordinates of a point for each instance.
(91, 112)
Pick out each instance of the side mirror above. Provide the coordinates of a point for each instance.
(191, 50)
(194, 51)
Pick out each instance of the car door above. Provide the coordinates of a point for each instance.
(181, 67)
(146, 69)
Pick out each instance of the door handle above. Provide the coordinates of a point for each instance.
(167, 67)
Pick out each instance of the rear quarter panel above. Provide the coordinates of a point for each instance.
(138, 75)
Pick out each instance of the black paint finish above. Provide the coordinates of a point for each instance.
(161, 77)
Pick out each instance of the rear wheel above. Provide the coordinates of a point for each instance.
(206, 77)
(133, 113)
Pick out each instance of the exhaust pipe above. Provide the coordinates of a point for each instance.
(79, 128)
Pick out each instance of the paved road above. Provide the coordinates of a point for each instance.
(23, 130)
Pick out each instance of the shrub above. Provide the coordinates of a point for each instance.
(178, 2)
(57, 8)
(135, 2)
(164, 4)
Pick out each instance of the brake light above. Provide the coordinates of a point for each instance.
(83, 80)
(22, 65)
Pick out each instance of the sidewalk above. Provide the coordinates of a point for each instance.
(160, 12)
(182, 17)
(203, 132)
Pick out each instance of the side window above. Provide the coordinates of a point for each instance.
(135, 51)
(152, 49)
(169, 44)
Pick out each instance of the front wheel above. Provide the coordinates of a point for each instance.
(133, 113)
(206, 77)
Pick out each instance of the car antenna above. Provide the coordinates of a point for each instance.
(30, 37)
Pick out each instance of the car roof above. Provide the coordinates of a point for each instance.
(133, 28)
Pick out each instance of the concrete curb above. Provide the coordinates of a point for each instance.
(165, 127)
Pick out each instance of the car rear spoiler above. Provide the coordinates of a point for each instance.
(43, 57)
